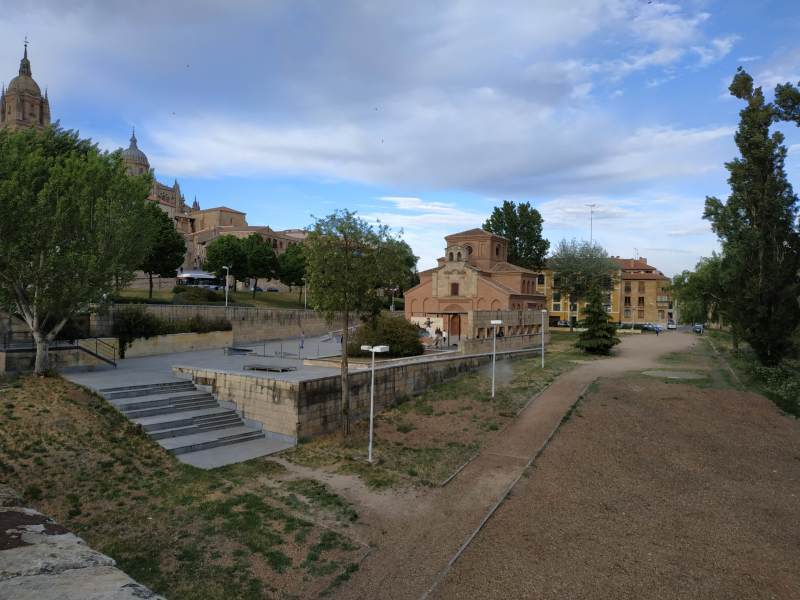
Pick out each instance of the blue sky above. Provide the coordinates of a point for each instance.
(423, 115)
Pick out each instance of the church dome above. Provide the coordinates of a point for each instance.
(134, 157)
(24, 84)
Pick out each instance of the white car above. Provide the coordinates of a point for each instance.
(671, 324)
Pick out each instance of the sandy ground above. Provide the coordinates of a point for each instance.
(417, 534)
(654, 490)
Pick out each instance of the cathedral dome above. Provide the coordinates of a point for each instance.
(135, 159)
(24, 84)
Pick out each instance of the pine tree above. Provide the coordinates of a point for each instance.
(600, 335)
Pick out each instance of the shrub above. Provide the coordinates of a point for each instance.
(401, 336)
(196, 295)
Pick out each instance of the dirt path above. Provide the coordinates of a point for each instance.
(653, 490)
(417, 543)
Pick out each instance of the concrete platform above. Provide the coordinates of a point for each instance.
(228, 455)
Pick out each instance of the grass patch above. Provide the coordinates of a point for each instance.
(235, 532)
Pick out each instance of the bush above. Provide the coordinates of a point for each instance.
(401, 336)
(134, 323)
(782, 383)
(196, 295)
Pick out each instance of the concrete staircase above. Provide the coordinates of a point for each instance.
(180, 417)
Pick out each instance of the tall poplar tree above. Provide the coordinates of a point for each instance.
(521, 224)
(758, 231)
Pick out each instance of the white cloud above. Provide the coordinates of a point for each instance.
(718, 48)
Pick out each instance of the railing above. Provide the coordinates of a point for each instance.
(100, 349)
(21, 341)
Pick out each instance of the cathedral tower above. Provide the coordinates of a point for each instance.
(22, 105)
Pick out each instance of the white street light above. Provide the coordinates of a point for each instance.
(494, 322)
(305, 296)
(227, 275)
(373, 350)
(544, 316)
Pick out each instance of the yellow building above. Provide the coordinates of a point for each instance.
(641, 294)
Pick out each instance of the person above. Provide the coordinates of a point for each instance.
(302, 339)
(658, 330)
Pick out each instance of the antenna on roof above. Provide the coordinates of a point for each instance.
(636, 254)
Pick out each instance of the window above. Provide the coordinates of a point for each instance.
(458, 257)
(641, 301)
(660, 315)
(540, 279)
(627, 300)
(627, 287)
(469, 250)
(497, 250)
(454, 289)
(556, 296)
(640, 313)
(627, 313)
(641, 287)
(556, 307)
(451, 257)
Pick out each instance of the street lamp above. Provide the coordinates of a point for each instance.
(227, 275)
(305, 295)
(494, 322)
(544, 316)
(373, 350)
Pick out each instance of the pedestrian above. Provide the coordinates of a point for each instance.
(302, 340)
(658, 330)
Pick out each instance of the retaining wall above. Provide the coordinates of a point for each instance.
(514, 342)
(308, 408)
(23, 361)
(177, 342)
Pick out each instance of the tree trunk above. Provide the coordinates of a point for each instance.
(345, 383)
(255, 285)
(150, 276)
(42, 363)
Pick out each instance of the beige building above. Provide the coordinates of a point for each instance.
(641, 294)
(472, 277)
(22, 105)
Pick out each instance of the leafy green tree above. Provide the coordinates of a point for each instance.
(600, 335)
(227, 251)
(70, 228)
(292, 266)
(758, 231)
(400, 335)
(700, 294)
(260, 260)
(522, 225)
(580, 266)
(348, 262)
(166, 247)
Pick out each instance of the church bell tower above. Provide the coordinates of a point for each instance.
(22, 105)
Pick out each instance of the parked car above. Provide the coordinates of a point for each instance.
(258, 288)
(671, 324)
(562, 323)
(273, 289)
(698, 328)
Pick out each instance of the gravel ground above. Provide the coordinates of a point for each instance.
(415, 543)
(653, 490)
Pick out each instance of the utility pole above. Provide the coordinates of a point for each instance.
(591, 222)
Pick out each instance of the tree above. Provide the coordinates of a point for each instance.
(70, 228)
(522, 225)
(166, 247)
(600, 335)
(348, 262)
(227, 251)
(260, 260)
(580, 266)
(757, 228)
(700, 294)
(292, 266)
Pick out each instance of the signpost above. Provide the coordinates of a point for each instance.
(494, 322)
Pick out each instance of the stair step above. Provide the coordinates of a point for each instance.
(152, 401)
(192, 429)
(146, 390)
(188, 417)
(171, 408)
(211, 439)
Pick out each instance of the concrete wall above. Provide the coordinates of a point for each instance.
(514, 342)
(249, 324)
(178, 342)
(312, 407)
(22, 361)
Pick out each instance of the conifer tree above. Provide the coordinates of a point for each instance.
(600, 335)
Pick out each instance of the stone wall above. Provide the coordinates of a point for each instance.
(22, 361)
(177, 342)
(298, 409)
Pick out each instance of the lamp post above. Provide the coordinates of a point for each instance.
(305, 296)
(544, 316)
(494, 322)
(373, 350)
(227, 275)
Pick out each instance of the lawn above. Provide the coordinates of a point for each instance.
(262, 299)
(246, 531)
(425, 439)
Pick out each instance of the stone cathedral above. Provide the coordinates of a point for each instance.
(22, 104)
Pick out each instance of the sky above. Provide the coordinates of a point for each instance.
(423, 115)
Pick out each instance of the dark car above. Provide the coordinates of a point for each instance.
(257, 289)
(273, 289)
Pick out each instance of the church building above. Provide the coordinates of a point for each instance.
(22, 105)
